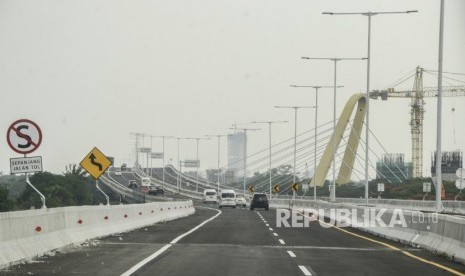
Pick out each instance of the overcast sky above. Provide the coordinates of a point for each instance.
(91, 72)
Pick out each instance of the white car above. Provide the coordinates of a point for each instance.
(117, 172)
(210, 196)
(241, 201)
(227, 199)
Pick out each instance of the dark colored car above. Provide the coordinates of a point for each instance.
(156, 190)
(259, 201)
(133, 184)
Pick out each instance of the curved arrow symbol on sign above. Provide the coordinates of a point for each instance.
(92, 161)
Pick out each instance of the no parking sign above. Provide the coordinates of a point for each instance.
(24, 136)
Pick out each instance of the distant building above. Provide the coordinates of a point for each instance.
(229, 177)
(450, 162)
(393, 168)
(237, 148)
(212, 176)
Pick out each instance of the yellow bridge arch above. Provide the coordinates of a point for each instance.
(351, 148)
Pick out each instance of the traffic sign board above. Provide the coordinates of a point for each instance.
(191, 163)
(276, 188)
(251, 189)
(460, 173)
(380, 187)
(460, 184)
(26, 164)
(426, 187)
(295, 187)
(95, 163)
(24, 136)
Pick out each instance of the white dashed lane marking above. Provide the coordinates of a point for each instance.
(305, 270)
(291, 254)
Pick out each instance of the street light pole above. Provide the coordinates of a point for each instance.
(316, 125)
(269, 135)
(367, 115)
(218, 168)
(178, 180)
(197, 157)
(163, 157)
(335, 60)
(439, 114)
(295, 137)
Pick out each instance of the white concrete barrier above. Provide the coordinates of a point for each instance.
(32, 233)
(445, 234)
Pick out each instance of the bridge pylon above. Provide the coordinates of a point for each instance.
(345, 171)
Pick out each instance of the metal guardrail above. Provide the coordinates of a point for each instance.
(171, 187)
(202, 182)
(129, 193)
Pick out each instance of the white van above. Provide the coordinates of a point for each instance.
(210, 196)
(145, 185)
(227, 198)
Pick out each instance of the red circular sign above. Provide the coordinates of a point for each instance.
(24, 136)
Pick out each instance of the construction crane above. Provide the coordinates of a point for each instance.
(417, 96)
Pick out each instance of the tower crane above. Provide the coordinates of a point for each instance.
(417, 96)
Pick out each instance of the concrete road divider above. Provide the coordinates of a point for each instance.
(28, 234)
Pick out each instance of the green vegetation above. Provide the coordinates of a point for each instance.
(73, 188)
(411, 189)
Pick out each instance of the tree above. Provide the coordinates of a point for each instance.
(71, 189)
(5, 204)
(74, 169)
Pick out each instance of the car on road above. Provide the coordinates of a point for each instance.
(210, 196)
(156, 190)
(117, 172)
(259, 201)
(241, 201)
(227, 199)
(133, 184)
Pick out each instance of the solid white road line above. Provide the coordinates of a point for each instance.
(305, 270)
(281, 241)
(164, 248)
(291, 254)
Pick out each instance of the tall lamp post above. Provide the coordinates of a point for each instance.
(316, 125)
(178, 182)
(197, 157)
(218, 168)
(368, 14)
(335, 60)
(439, 113)
(163, 137)
(295, 136)
(269, 132)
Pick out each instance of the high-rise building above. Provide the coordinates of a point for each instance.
(450, 162)
(393, 168)
(237, 148)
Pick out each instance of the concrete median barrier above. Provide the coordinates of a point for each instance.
(28, 234)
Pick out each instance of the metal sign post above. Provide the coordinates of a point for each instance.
(24, 136)
(96, 163)
(107, 197)
(426, 189)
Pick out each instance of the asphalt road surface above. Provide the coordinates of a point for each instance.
(238, 242)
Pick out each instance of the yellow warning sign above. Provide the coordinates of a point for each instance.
(252, 189)
(295, 187)
(95, 163)
(276, 188)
